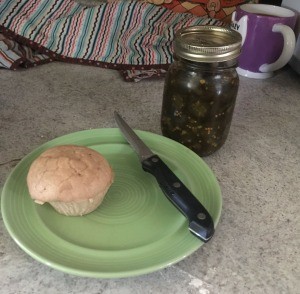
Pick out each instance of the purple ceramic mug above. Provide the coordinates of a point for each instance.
(268, 38)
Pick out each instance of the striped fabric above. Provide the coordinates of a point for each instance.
(125, 35)
(14, 55)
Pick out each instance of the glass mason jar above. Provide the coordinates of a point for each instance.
(201, 88)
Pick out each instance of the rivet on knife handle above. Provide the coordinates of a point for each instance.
(200, 222)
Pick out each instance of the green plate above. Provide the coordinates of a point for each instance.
(136, 230)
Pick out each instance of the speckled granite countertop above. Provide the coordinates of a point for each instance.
(256, 246)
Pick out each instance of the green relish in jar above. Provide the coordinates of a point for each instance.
(201, 87)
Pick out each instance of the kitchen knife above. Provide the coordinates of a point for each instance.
(200, 222)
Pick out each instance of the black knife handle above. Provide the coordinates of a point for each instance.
(200, 222)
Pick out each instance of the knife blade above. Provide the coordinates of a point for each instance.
(200, 221)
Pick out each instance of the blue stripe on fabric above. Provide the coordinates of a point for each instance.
(91, 35)
(7, 7)
(83, 33)
(134, 39)
(151, 29)
(97, 31)
(140, 33)
(128, 19)
(12, 13)
(68, 29)
(49, 15)
(116, 26)
(33, 18)
(53, 34)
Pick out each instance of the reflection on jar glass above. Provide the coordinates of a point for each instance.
(199, 96)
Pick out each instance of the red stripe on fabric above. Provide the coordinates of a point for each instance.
(157, 32)
(144, 5)
(96, 18)
(12, 11)
(45, 32)
(128, 34)
(70, 7)
(71, 34)
(5, 57)
(78, 28)
(98, 42)
(138, 15)
(22, 18)
(107, 25)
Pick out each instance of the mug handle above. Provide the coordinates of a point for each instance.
(289, 41)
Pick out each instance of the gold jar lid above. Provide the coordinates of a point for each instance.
(207, 44)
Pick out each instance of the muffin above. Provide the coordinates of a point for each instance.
(73, 179)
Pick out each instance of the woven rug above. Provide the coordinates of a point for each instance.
(131, 36)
